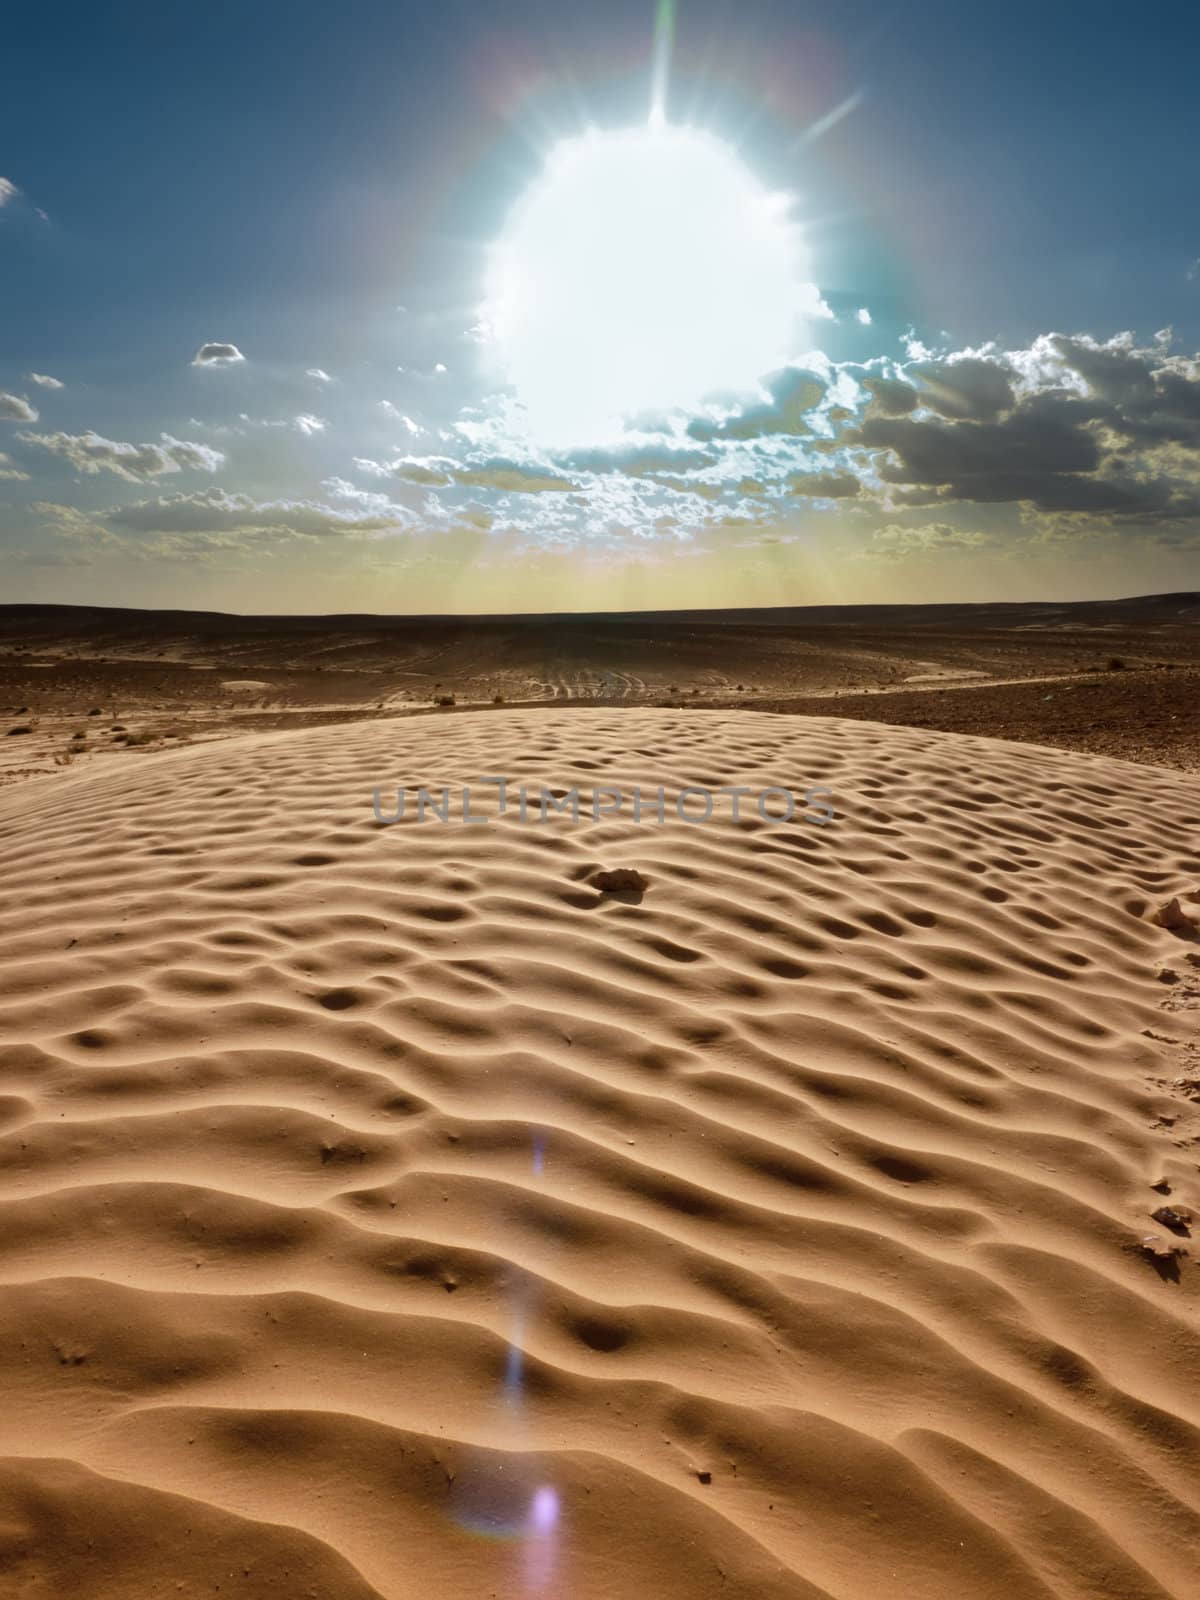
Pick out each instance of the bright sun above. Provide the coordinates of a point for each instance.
(641, 271)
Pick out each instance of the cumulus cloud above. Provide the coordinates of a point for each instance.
(8, 469)
(307, 424)
(217, 355)
(965, 386)
(895, 542)
(790, 395)
(15, 408)
(825, 485)
(497, 473)
(8, 191)
(889, 397)
(513, 477)
(91, 453)
(433, 471)
(1070, 424)
(45, 381)
(215, 511)
(1069, 429)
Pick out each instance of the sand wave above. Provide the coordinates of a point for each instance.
(390, 1210)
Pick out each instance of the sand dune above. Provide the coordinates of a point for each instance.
(389, 1211)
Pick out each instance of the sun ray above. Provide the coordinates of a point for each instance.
(664, 36)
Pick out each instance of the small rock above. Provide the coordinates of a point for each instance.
(1163, 1185)
(1177, 1218)
(704, 1477)
(1175, 919)
(1155, 1246)
(611, 879)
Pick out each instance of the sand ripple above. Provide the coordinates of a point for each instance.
(386, 1211)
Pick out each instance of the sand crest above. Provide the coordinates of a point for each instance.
(413, 1210)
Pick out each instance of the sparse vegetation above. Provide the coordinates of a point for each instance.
(1115, 664)
(445, 700)
(21, 727)
(497, 699)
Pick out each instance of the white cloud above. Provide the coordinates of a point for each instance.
(15, 408)
(217, 355)
(318, 373)
(216, 511)
(90, 453)
(895, 542)
(433, 470)
(308, 424)
(8, 191)
(864, 316)
(501, 474)
(44, 381)
(71, 522)
(390, 410)
(9, 470)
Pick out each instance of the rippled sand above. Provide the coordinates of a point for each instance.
(386, 1211)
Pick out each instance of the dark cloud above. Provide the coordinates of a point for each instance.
(825, 485)
(890, 397)
(1070, 425)
(970, 388)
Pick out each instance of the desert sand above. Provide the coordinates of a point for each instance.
(388, 1211)
(84, 684)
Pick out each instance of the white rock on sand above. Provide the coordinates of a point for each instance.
(388, 1211)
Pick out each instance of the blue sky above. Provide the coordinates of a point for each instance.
(998, 195)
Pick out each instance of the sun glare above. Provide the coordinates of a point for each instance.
(640, 272)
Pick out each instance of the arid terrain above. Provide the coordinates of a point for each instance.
(540, 1198)
(1116, 677)
(413, 1210)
